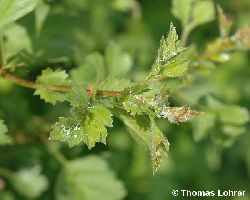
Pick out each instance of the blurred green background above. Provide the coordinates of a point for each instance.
(68, 32)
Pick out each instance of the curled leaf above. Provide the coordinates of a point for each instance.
(224, 22)
(145, 131)
(178, 114)
(159, 145)
(243, 35)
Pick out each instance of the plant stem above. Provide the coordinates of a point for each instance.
(21, 82)
(188, 27)
(1, 51)
(184, 36)
(60, 88)
(57, 155)
(30, 84)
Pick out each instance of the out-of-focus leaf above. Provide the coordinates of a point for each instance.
(4, 139)
(41, 13)
(233, 130)
(115, 84)
(126, 5)
(203, 12)
(6, 195)
(202, 124)
(213, 156)
(182, 10)
(224, 22)
(49, 79)
(243, 37)
(90, 72)
(5, 86)
(231, 114)
(29, 182)
(118, 63)
(17, 40)
(141, 50)
(11, 10)
(197, 91)
(88, 178)
(193, 12)
(234, 114)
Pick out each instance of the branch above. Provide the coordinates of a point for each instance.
(60, 88)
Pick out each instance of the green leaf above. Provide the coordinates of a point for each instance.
(118, 63)
(13, 46)
(136, 129)
(115, 84)
(231, 114)
(95, 125)
(233, 130)
(193, 12)
(145, 132)
(4, 139)
(159, 145)
(168, 62)
(202, 124)
(88, 178)
(6, 195)
(173, 43)
(181, 10)
(169, 47)
(41, 13)
(134, 105)
(90, 72)
(175, 69)
(89, 127)
(77, 96)
(69, 130)
(23, 181)
(11, 10)
(122, 5)
(52, 78)
(203, 12)
(139, 102)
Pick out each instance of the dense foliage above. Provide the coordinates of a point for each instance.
(87, 101)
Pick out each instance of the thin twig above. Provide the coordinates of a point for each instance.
(59, 88)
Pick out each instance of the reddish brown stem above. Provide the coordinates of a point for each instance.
(60, 88)
(21, 82)
(109, 93)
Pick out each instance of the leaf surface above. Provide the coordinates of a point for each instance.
(88, 178)
(11, 10)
